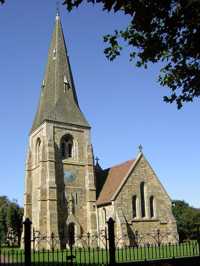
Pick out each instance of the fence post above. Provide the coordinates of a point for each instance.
(27, 241)
(198, 236)
(111, 240)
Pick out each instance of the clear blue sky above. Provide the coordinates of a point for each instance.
(123, 104)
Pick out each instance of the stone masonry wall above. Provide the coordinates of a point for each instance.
(163, 218)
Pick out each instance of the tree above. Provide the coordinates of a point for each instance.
(14, 220)
(159, 31)
(3, 226)
(10, 219)
(187, 219)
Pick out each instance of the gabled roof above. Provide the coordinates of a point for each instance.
(115, 176)
(58, 99)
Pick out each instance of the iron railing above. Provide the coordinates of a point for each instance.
(96, 249)
(100, 256)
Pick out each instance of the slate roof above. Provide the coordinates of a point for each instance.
(58, 99)
(112, 178)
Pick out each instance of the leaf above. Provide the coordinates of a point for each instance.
(166, 31)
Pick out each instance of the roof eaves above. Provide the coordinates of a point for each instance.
(101, 204)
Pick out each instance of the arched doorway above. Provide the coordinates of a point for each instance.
(71, 233)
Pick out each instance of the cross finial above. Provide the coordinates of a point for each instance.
(140, 148)
(97, 160)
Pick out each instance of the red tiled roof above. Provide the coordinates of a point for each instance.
(114, 178)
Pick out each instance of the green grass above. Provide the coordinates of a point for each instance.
(11, 255)
(162, 252)
(97, 256)
(100, 256)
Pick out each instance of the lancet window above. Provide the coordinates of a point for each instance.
(134, 206)
(142, 198)
(151, 206)
(66, 147)
(37, 150)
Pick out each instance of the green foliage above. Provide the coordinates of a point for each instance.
(187, 219)
(14, 219)
(159, 31)
(3, 225)
(10, 219)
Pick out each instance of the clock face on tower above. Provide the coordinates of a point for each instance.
(69, 177)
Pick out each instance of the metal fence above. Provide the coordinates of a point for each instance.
(99, 256)
(87, 254)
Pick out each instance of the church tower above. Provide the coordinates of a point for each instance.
(59, 184)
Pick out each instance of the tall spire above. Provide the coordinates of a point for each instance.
(58, 99)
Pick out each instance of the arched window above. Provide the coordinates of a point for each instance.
(66, 146)
(142, 197)
(37, 150)
(151, 206)
(134, 206)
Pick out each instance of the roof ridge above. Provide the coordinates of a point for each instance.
(119, 164)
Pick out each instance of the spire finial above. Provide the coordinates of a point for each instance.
(57, 10)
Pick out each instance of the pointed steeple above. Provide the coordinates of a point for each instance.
(58, 99)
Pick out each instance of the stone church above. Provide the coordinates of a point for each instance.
(65, 189)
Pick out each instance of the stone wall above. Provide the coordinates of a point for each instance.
(51, 201)
(163, 218)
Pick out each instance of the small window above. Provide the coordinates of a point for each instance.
(151, 206)
(142, 198)
(38, 148)
(76, 198)
(134, 206)
(66, 146)
(54, 54)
